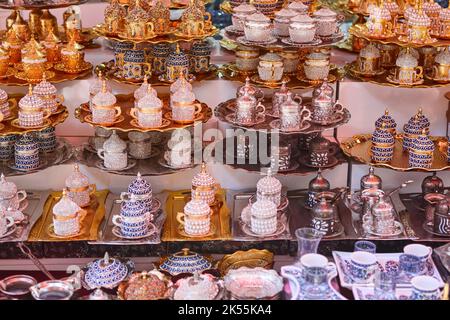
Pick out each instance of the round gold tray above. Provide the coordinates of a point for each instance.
(360, 31)
(358, 148)
(83, 68)
(126, 101)
(40, 4)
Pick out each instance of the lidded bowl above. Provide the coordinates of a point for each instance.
(387, 120)
(106, 272)
(178, 58)
(31, 101)
(114, 144)
(184, 261)
(152, 285)
(197, 287)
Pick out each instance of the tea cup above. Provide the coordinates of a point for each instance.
(132, 226)
(421, 251)
(178, 158)
(185, 111)
(425, 288)
(113, 160)
(409, 75)
(315, 260)
(409, 264)
(105, 115)
(362, 266)
(13, 201)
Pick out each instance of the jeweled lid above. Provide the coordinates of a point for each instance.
(271, 57)
(317, 56)
(178, 58)
(392, 6)
(443, 57)
(325, 13)
(444, 15)
(65, 206)
(183, 94)
(159, 11)
(319, 183)
(413, 127)
(387, 120)
(370, 180)
(146, 286)
(422, 119)
(419, 18)
(289, 105)
(45, 88)
(96, 85)
(3, 96)
(12, 39)
(31, 101)
(115, 10)
(323, 93)
(370, 51)
(382, 136)
(203, 178)
(383, 208)
(51, 39)
(269, 184)
(197, 206)
(263, 208)
(192, 13)
(150, 100)
(7, 188)
(380, 13)
(302, 18)
(250, 89)
(432, 8)
(137, 136)
(104, 98)
(258, 17)
(180, 82)
(298, 6)
(406, 60)
(285, 13)
(432, 184)
(185, 261)
(422, 144)
(136, 14)
(244, 8)
(143, 90)
(106, 272)
(139, 186)
(33, 50)
(197, 287)
(114, 144)
(76, 179)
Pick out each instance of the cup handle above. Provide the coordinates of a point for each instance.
(133, 112)
(101, 153)
(419, 72)
(180, 218)
(92, 189)
(333, 149)
(150, 28)
(117, 220)
(260, 109)
(305, 114)
(81, 215)
(338, 108)
(60, 98)
(297, 98)
(198, 109)
(118, 111)
(9, 222)
(46, 113)
(13, 103)
(148, 71)
(21, 195)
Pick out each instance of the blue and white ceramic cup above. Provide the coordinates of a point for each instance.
(409, 264)
(425, 288)
(362, 266)
(366, 246)
(315, 260)
(421, 251)
(132, 227)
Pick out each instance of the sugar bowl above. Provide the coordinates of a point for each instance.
(270, 68)
(114, 153)
(258, 28)
(240, 14)
(282, 21)
(10, 197)
(196, 218)
(382, 149)
(67, 217)
(327, 22)
(31, 110)
(78, 188)
(205, 185)
(316, 66)
(302, 29)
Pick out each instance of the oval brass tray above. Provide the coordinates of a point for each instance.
(30, 5)
(126, 102)
(358, 148)
(358, 30)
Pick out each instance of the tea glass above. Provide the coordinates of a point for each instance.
(316, 283)
(384, 286)
(308, 240)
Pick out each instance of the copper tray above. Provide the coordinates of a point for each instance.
(108, 68)
(90, 225)
(358, 148)
(226, 108)
(382, 79)
(252, 258)
(9, 129)
(29, 5)
(58, 78)
(126, 102)
(220, 218)
(358, 31)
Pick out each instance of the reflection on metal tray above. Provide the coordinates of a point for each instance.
(89, 226)
(105, 233)
(443, 253)
(356, 218)
(36, 200)
(175, 203)
(415, 218)
(238, 201)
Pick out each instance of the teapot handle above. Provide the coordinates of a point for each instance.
(419, 72)
(92, 189)
(261, 108)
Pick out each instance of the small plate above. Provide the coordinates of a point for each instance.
(163, 78)
(17, 285)
(245, 42)
(212, 231)
(313, 43)
(257, 80)
(9, 73)
(292, 166)
(276, 124)
(163, 162)
(438, 80)
(46, 123)
(338, 36)
(429, 228)
(232, 116)
(9, 231)
(151, 231)
(332, 161)
(281, 227)
(51, 233)
(331, 78)
(335, 118)
(168, 116)
(165, 124)
(339, 232)
(131, 163)
(233, 31)
(365, 74)
(22, 76)
(232, 67)
(12, 165)
(398, 230)
(84, 67)
(88, 119)
(391, 78)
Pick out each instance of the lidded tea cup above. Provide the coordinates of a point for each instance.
(205, 185)
(240, 13)
(67, 216)
(148, 112)
(302, 29)
(282, 21)
(104, 108)
(114, 153)
(10, 197)
(196, 218)
(257, 27)
(32, 110)
(78, 188)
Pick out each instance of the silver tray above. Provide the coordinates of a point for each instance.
(36, 201)
(105, 234)
(238, 201)
(443, 253)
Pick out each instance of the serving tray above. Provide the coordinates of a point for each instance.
(220, 219)
(90, 224)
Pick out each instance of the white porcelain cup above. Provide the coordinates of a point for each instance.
(362, 267)
(312, 260)
(425, 288)
(420, 251)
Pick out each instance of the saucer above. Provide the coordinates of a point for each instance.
(51, 233)
(340, 231)
(12, 165)
(232, 67)
(438, 80)
(289, 42)
(23, 206)
(405, 39)
(9, 73)
(212, 231)
(256, 79)
(331, 78)
(15, 123)
(84, 67)
(243, 40)
(398, 230)
(163, 162)
(269, 112)
(9, 231)
(281, 227)
(151, 231)
(391, 78)
(429, 228)
(19, 66)
(292, 166)
(231, 30)
(383, 36)
(155, 151)
(131, 163)
(60, 109)
(165, 124)
(168, 116)
(276, 124)
(22, 76)
(332, 161)
(232, 116)
(88, 119)
(335, 118)
(163, 78)
(338, 36)
(356, 72)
